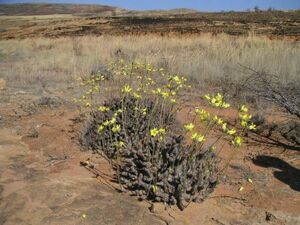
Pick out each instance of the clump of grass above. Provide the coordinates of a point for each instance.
(155, 157)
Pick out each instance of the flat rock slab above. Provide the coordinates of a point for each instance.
(32, 193)
(42, 182)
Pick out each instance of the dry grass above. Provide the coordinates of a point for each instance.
(204, 58)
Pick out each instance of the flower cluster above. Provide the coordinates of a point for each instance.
(232, 134)
(189, 127)
(103, 109)
(176, 82)
(202, 114)
(142, 118)
(217, 101)
(158, 132)
(198, 137)
(236, 139)
(126, 89)
(111, 123)
(245, 118)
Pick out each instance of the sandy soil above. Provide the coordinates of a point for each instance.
(42, 182)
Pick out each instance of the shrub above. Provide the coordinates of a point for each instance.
(156, 158)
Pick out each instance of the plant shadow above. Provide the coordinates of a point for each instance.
(287, 173)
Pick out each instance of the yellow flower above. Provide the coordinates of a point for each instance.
(207, 97)
(113, 120)
(173, 100)
(217, 101)
(219, 97)
(220, 121)
(83, 216)
(245, 116)
(203, 115)
(126, 89)
(116, 128)
(194, 136)
(119, 144)
(103, 109)
(244, 123)
(119, 111)
(243, 109)
(100, 129)
(212, 148)
(165, 94)
(198, 137)
(154, 188)
(231, 131)
(201, 138)
(144, 111)
(106, 123)
(154, 132)
(162, 131)
(177, 79)
(224, 127)
(136, 95)
(88, 104)
(96, 89)
(225, 105)
(157, 91)
(252, 126)
(237, 141)
(189, 127)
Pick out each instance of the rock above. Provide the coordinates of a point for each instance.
(33, 133)
(2, 84)
(157, 208)
(45, 101)
(20, 93)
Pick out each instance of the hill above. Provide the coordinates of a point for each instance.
(54, 20)
(29, 9)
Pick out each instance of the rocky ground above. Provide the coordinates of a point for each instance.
(42, 182)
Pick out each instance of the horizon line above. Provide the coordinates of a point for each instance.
(141, 10)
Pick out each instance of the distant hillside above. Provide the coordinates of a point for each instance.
(54, 20)
(161, 12)
(49, 9)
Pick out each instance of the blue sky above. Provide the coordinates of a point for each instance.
(202, 5)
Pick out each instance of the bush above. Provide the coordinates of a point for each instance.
(139, 133)
(162, 169)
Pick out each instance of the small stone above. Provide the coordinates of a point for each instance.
(33, 133)
(20, 93)
(157, 208)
